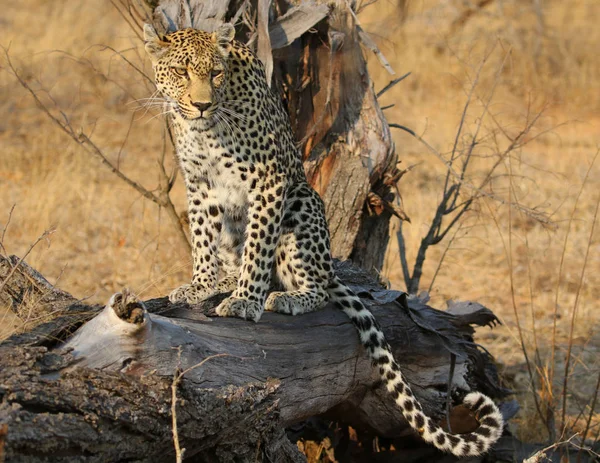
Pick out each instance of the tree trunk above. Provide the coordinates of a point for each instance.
(104, 392)
(322, 76)
(348, 149)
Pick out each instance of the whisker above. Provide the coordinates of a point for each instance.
(168, 111)
(229, 129)
(223, 126)
(233, 122)
(165, 106)
(153, 101)
(234, 114)
(153, 96)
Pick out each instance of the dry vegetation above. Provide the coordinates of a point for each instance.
(541, 56)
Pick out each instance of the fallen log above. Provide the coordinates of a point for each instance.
(104, 393)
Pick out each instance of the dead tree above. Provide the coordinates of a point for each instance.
(105, 391)
(115, 388)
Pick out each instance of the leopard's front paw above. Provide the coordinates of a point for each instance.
(192, 294)
(241, 308)
(283, 303)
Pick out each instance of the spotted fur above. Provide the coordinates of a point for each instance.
(255, 220)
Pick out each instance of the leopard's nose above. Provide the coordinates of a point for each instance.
(201, 106)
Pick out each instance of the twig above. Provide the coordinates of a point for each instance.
(392, 84)
(560, 270)
(368, 42)
(14, 269)
(464, 115)
(574, 313)
(239, 12)
(441, 261)
(165, 185)
(402, 252)
(537, 456)
(512, 289)
(134, 28)
(130, 63)
(538, 216)
(537, 358)
(80, 138)
(162, 199)
(455, 180)
(177, 377)
(6, 228)
(89, 65)
(590, 416)
(402, 127)
(124, 141)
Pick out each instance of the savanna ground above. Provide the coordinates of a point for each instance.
(531, 56)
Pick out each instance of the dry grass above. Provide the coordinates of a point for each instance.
(107, 236)
(554, 72)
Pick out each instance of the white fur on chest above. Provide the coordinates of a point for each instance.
(206, 159)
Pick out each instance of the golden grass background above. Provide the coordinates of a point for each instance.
(107, 236)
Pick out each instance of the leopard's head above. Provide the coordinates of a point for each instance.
(190, 67)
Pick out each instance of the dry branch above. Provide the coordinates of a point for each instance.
(162, 198)
(455, 202)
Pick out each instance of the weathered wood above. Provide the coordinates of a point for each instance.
(28, 293)
(91, 415)
(97, 394)
(347, 145)
(295, 22)
(36, 302)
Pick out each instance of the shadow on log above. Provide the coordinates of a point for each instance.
(103, 393)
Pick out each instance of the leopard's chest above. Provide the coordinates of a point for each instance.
(215, 161)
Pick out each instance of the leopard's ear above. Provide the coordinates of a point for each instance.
(223, 37)
(156, 46)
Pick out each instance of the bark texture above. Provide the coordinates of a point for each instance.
(103, 393)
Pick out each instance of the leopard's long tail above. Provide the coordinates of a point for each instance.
(371, 336)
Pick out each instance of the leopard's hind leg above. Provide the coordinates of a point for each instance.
(302, 259)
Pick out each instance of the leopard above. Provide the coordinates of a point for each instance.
(255, 221)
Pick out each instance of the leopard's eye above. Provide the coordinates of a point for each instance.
(181, 72)
(216, 73)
